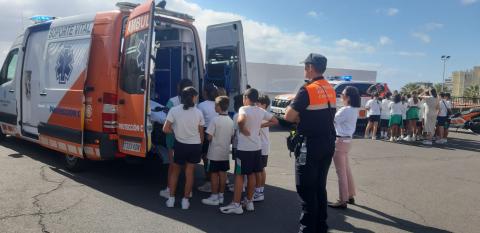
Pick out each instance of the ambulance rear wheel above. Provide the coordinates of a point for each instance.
(75, 164)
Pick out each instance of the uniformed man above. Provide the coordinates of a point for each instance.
(313, 110)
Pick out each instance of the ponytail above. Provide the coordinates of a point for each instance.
(187, 97)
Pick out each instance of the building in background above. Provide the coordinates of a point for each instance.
(279, 79)
(461, 80)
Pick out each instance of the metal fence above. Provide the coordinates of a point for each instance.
(465, 103)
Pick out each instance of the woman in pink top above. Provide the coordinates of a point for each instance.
(345, 124)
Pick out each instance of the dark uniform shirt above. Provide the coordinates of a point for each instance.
(315, 123)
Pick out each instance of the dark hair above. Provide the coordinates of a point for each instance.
(264, 99)
(448, 95)
(252, 95)
(388, 95)
(237, 102)
(354, 97)
(415, 97)
(376, 94)
(187, 97)
(397, 98)
(223, 102)
(211, 92)
(409, 96)
(183, 84)
(442, 94)
(433, 92)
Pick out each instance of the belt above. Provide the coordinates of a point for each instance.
(346, 137)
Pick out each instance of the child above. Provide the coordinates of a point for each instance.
(208, 109)
(404, 126)
(412, 117)
(187, 123)
(170, 138)
(374, 110)
(237, 104)
(385, 116)
(396, 111)
(249, 150)
(263, 102)
(220, 133)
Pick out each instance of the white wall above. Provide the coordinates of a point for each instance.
(270, 78)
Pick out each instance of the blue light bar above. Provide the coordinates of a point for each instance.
(41, 18)
(347, 78)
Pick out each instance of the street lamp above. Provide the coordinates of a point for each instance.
(444, 58)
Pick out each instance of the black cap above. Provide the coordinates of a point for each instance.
(317, 60)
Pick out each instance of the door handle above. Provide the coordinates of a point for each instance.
(11, 91)
(43, 93)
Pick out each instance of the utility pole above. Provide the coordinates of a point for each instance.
(444, 58)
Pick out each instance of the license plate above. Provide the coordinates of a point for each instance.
(131, 146)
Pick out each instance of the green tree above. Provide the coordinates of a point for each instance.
(409, 88)
(438, 87)
(472, 91)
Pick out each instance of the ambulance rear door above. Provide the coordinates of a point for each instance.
(226, 64)
(133, 126)
(61, 97)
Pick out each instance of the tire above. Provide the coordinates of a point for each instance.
(475, 128)
(2, 136)
(75, 164)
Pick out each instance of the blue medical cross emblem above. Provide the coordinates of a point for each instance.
(64, 65)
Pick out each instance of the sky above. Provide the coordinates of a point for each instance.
(402, 40)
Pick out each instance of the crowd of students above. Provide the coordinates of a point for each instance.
(206, 131)
(409, 117)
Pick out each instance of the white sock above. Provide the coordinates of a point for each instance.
(215, 196)
(220, 195)
(261, 189)
(258, 190)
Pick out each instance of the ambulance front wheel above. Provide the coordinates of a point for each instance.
(75, 164)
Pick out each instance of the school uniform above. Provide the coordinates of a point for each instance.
(207, 108)
(221, 130)
(249, 148)
(374, 110)
(396, 112)
(385, 113)
(185, 125)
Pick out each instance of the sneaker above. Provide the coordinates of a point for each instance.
(392, 139)
(165, 193)
(206, 188)
(185, 204)
(445, 140)
(366, 136)
(439, 141)
(407, 138)
(427, 142)
(170, 202)
(211, 201)
(414, 138)
(220, 200)
(232, 208)
(258, 197)
(248, 205)
(374, 138)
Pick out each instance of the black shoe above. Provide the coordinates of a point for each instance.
(338, 205)
(351, 201)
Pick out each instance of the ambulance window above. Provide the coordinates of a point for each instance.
(9, 67)
(133, 69)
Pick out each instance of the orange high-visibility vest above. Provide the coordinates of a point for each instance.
(320, 92)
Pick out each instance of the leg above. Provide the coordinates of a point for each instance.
(237, 192)
(251, 186)
(367, 129)
(189, 170)
(222, 180)
(173, 178)
(214, 179)
(351, 183)
(264, 178)
(339, 159)
(375, 127)
(258, 179)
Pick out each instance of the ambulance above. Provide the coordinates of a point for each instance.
(82, 85)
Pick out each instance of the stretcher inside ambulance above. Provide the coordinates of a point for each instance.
(92, 86)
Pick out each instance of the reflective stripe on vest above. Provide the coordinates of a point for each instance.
(316, 94)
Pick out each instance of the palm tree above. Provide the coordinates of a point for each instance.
(473, 92)
(409, 88)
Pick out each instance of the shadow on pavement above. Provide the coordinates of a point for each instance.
(139, 185)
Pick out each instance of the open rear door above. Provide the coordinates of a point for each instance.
(133, 126)
(226, 64)
(60, 111)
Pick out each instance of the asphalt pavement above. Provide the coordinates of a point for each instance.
(401, 187)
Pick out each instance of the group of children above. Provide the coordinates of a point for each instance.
(403, 117)
(206, 131)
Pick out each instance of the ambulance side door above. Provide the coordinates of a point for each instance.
(61, 104)
(225, 61)
(133, 126)
(8, 100)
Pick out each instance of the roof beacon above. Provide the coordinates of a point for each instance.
(41, 18)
